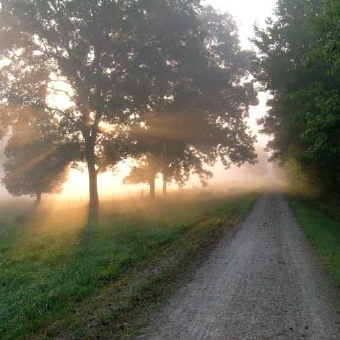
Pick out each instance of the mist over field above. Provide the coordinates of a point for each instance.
(111, 184)
(76, 184)
(169, 169)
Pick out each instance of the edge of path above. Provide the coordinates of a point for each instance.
(269, 243)
(177, 271)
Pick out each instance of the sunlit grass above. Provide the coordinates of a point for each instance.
(52, 261)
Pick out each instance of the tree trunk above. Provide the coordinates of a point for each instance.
(93, 188)
(38, 194)
(94, 200)
(164, 184)
(153, 186)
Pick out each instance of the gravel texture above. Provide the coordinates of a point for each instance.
(262, 282)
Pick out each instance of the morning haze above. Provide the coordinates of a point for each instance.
(112, 183)
(169, 178)
(151, 122)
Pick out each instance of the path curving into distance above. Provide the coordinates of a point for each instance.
(262, 282)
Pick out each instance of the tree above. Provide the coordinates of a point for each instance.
(35, 163)
(163, 146)
(296, 64)
(174, 165)
(145, 172)
(26, 173)
(203, 120)
(36, 157)
(112, 54)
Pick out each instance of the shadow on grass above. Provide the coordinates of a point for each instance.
(61, 261)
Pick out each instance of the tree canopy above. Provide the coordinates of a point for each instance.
(299, 65)
(35, 162)
(120, 60)
(204, 119)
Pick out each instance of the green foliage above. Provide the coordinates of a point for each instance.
(298, 66)
(304, 181)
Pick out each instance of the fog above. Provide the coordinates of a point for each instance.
(110, 184)
(111, 187)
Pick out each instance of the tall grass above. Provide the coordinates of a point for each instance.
(53, 264)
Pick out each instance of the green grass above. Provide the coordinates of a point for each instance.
(60, 276)
(322, 230)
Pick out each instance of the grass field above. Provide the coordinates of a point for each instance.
(322, 227)
(60, 277)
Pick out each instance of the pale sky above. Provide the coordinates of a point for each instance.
(246, 13)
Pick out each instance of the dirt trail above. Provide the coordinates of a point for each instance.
(262, 283)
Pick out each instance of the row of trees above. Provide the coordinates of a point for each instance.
(299, 64)
(163, 82)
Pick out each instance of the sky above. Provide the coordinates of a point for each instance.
(246, 13)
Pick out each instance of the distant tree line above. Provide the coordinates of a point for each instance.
(299, 64)
(162, 82)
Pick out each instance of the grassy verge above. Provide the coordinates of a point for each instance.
(62, 278)
(322, 229)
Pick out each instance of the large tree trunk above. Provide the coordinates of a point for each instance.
(94, 199)
(153, 186)
(164, 184)
(38, 194)
(93, 188)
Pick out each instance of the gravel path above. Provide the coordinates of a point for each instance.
(262, 283)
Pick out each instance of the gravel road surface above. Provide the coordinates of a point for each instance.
(262, 282)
